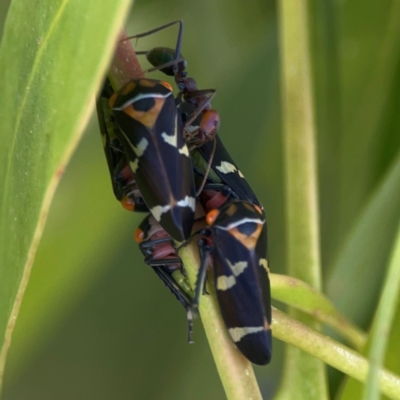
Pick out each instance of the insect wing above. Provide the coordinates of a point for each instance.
(241, 281)
(122, 178)
(109, 135)
(224, 166)
(158, 156)
(263, 271)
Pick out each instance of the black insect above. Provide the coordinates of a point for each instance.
(148, 133)
(122, 179)
(234, 244)
(151, 136)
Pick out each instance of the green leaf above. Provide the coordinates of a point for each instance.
(369, 95)
(383, 323)
(77, 258)
(382, 346)
(353, 389)
(355, 270)
(49, 77)
(367, 151)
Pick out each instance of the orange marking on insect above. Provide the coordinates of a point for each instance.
(231, 210)
(212, 216)
(139, 235)
(147, 118)
(167, 85)
(147, 83)
(128, 88)
(257, 208)
(249, 241)
(128, 204)
(112, 100)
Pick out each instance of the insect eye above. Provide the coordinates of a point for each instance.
(144, 104)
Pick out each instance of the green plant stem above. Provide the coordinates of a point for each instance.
(305, 298)
(331, 352)
(299, 146)
(302, 223)
(125, 65)
(383, 322)
(234, 369)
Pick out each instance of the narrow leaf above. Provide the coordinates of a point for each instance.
(49, 77)
(383, 323)
(365, 251)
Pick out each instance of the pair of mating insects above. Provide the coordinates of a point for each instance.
(164, 156)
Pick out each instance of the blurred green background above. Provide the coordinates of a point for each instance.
(96, 322)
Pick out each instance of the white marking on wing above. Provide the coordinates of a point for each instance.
(134, 165)
(226, 167)
(241, 222)
(184, 150)
(238, 333)
(225, 282)
(142, 97)
(173, 139)
(141, 146)
(188, 202)
(238, 267)
(157, 211)
(264, 263)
